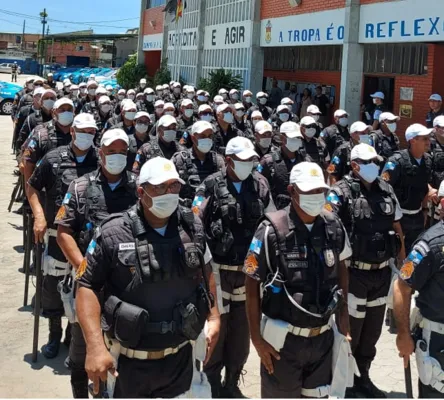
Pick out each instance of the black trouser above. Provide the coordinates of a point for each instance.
(165, 378)
(412, 227)
(366, 304)
(305, 363)
(77, 356)
(52, 303)
(436, 346)
(233, 346)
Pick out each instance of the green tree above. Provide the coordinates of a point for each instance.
(131, 73)
(219, 79)
(163, 74)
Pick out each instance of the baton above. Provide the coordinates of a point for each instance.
(38, 294)
(408, 381)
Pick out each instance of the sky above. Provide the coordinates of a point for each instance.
(123, 14)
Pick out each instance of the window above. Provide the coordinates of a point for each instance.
(155, 3)
(319, 58)
(396, 58)
(79, 48)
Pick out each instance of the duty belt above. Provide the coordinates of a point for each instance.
(367, 267)
(308, 332)
(411, 212)
(52, 232)
(149, 355)
(433, 326)
(231, 267)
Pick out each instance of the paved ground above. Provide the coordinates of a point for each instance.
(49, 378)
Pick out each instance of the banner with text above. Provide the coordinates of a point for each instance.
(185, 39)
(153, 42)
(234, 35)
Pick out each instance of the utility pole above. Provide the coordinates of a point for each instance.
(23, 35)
(43, 16)
(46, 45)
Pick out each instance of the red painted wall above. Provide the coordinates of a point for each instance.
(156, 17)
(281, 8)
(62, 50)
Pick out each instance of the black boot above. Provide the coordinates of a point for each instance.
(366, 387)
(230, 388)
(51, 349)
(216, 385)
(79, 384)
(68, 336)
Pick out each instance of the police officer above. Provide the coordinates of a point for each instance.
(437, 153)
(276, 167)
(121, 95)
(225, 127)
(289, 103)
(14, 70)
(126, 122)
(131, 94)
(48, 136)
(138, 137)
(378, 101)
(263, 134)
(223, 93)
(205, 113)
(337, 133)
(89, 200)
(421, 272)
(314, 147)
(436, 109)
(90, 98)
(140, 101)
(233, 96)
(159, 92)
(231, 205)
(281, 115)
(261, 105)
(314, 112)
(186, 118)
(152, 264)
(298, 255)
(57, 169)
(142, 86)
(340, 164)
(370, 211)
(27, 99)
(102, 113)
(385, 140)
(202, 98)
(176, 95)
(149, 100)
(240, 122)
(247, 99)
(194, 165)
(158, 110)
(26, 93)
(162, 145)
(409, 172)
(50, 81)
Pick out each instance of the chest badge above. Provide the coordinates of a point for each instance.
(329, 258)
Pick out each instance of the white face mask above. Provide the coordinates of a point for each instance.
(115, 163)
(364, 139)
(190, 96)
(150, 98)
(204, 145)
(188, 112)
(83, 140)
(293, 144)
(159, 93)
(166, 91)
(392, 127)
(65, 118)
(235, 96)
(228, 117)
(158, 111)
(284, 117)
(75, 92)
(142, 128)
(343, 122)
(106, 108)
(163, 206)
(201, 98)
(169, 135)
(243, 169)
(142, 85)
(91, 92)
(368, 172)
(206, 117)
(177, 90)
(224, 96)
(48, 104)
(312, 204)
(83, 90)
(255, 121)
(265, 143)
(310, 132)
(315, 117)
(30, 86)
(263, 100)
(131, 96)
(375, 101)
(247, 99)
(240, 113)
(169, 113)
(129, 115)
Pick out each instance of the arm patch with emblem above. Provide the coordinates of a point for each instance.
(419, 251)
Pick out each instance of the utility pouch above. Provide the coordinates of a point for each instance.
(190, 321)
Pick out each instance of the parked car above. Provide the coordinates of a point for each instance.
(8, 91)
(7, 68)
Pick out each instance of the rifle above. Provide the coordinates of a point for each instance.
(15, 193)
(408, 381)
(27, 228)
(38, 295)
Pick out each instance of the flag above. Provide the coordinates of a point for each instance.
(179, 10)
(176, 8)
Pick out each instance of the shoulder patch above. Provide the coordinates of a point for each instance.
(82, 268)
(333, 198)
(61, 213)
(414, 258)
(389, 166)
(197, 202)
(259, 168)
(328, 207)
(67, 198)
(91, 247)
(256, 245)
(251, 264)
(336, 160)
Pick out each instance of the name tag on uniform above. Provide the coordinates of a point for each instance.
(127, 246)
(298, 264)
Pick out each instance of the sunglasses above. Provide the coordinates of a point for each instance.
(366, 162)
(164, 188)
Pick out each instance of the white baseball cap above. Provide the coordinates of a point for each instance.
(358, 126)
(185, 102)
(256, 113)
(149, 91)
(441, 189)
(388, 116)
(307, 176)
(340, 113)
(241, 147)
(50, 74)
(223, 91)
(112, 135)
(378, 95)
(131, 91)
(239, 106)
(201, 126)
(435, 97)
(365, 152)
(313, 109)
(416, 130)
(223, 107)
(82, 84)
(247, 93)
(38, 91)
(176, 84)
(306, 121)
(84, 120)
(218, 99)
(159, 103)
(140, 114)
(262, 127)
(89, 83)
(291, 129)
(439, 121)
(190, 89)
(104, 99)
(169, 105)
(143, 80)
(63, 101)
(261, 94)
(158, 170)
(287, 100)
(49, 91)
(204, 107)
(165, 86)
(282, 108)
(101, 90)
(158, 87)
(74, 87)
(29, 79)
(166, 120)
(38, 79)
(129, 105)
(232, 91)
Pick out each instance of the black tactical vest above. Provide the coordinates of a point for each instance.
(307, 270)
(383, 144)
(438, 164)
(370, 220)
(167, 284)
(50, 139)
